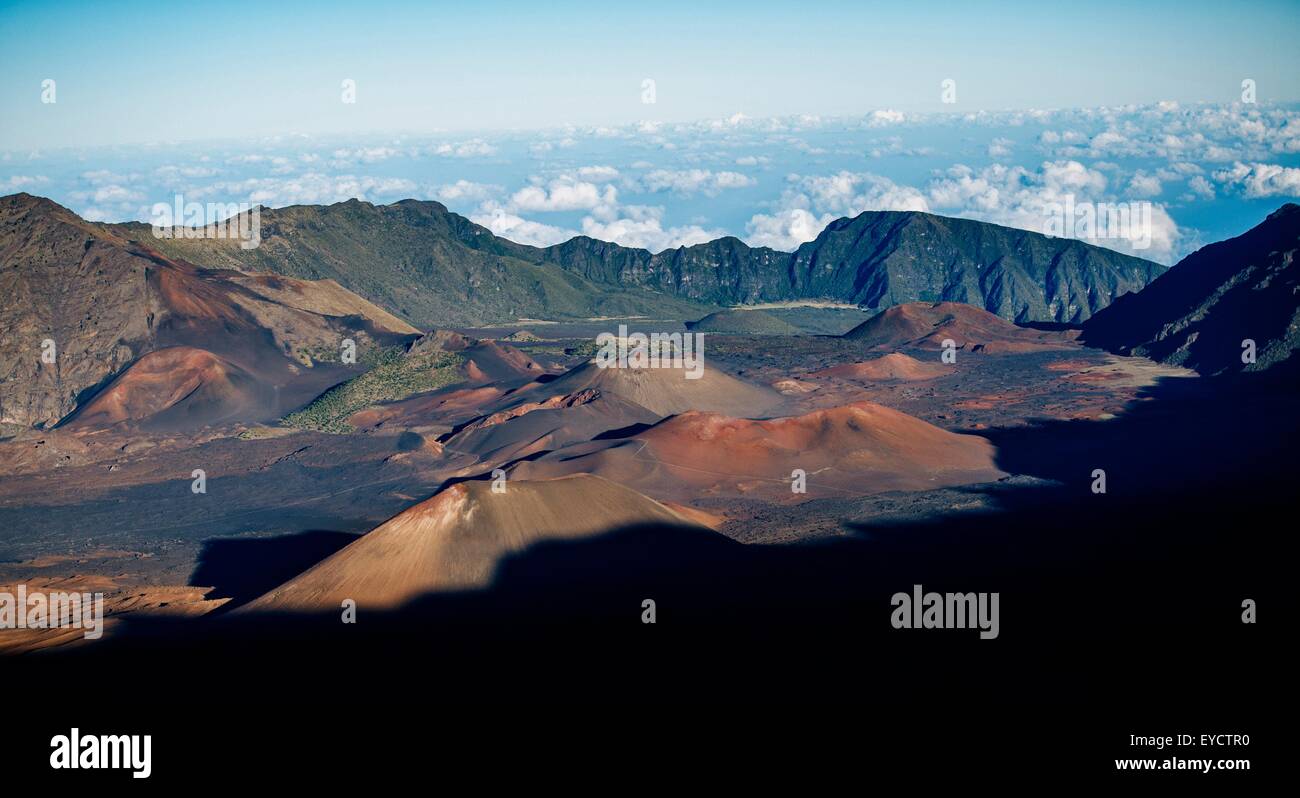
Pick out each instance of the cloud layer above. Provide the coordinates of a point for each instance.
(773, 181)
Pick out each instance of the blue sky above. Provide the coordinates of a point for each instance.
(139, 72)
(768, 119)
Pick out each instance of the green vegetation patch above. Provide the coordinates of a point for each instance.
(586, 349)
(395, 375)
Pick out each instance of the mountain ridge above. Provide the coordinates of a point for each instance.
(82, 305)
(418, 260)
(1203, 310)
(879, 259)
(438, 268)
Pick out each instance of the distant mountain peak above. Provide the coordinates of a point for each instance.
(1288, 209)
(31, 202)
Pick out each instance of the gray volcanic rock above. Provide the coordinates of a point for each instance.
(105, 302)
(64, 281)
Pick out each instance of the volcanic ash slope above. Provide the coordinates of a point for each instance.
(927, 325)
(177, 387)
(860, 448)
(665, 391)
(455, 540)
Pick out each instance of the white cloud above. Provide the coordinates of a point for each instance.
(885, 117)
(364, 154)
(1025, 199)
(1111, 142)
(93, 213)
(542, 147)
(1261, 179)
(598, 174)
(628, 225)
(850, 193)
(1134, 152)
(895, 145)
(16, 183)
(1214, 133)
(1000, 148)
(1178, 170)
(811, 203)
(169, 172)
(463, 191)
(111, 193)
(735, 120)
(1201, 187)
(522, 231)
(465, 149)
(278, 164)
(1071, 176)
(692, 181)
(785, 230)
(101, 176)
(641, 226)
(312, 188)
(564, 193)
(1145, 185)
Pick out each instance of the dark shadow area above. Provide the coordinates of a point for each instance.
(541, 379)
(1200, 314)
(85, 395)
(486, 474)
(1178, 434)
(244, 568)
(409, 441)
(630, 431)
(1048, 326)
(1119, 612)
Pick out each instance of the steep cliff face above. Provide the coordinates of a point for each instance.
(79, 303)
(418, 260)
(881, 259)
(437, 268)
(1202, 312)
(71, 294)
(888, 258)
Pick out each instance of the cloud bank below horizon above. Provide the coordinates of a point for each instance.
(1207, 172)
